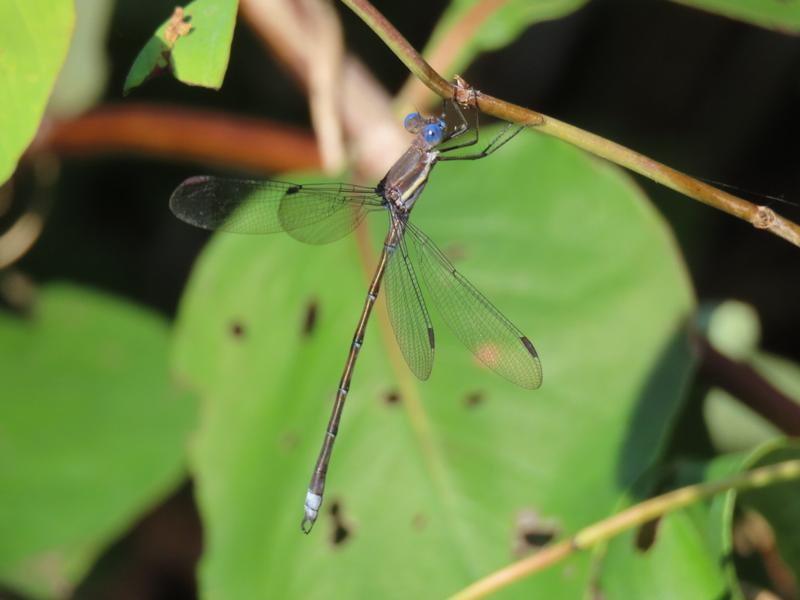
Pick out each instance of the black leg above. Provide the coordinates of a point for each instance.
(493, 146)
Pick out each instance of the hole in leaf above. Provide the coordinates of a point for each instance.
(419, 521)
(533, 532)
(392, 397)
(341, 532)
(310, 320)
(537, 539)
(646, 535)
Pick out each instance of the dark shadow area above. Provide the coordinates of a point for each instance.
(656, 413)
(156, 559)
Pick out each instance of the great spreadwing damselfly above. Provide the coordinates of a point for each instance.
(414, 268)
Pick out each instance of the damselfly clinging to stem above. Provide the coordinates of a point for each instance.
(321, 213)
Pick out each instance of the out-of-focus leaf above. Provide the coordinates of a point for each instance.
(91, 433)
(734, 328)
(85, 72)
(34, 37)
(778, 504)
(676, 563)
(434, 477)
(492, 24)
(690, 553)
(732, 426)
(778, 15)
(197, 55)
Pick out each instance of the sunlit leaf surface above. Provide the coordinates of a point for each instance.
(483, 26)
(780, 15)
(435, 483)
(195, 46)
(34, 37)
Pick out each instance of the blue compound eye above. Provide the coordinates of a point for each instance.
(433, 133)
(413, 122)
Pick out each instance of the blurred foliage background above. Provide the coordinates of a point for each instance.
(709, 95)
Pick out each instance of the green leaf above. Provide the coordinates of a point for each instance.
(679, 563)
(34, 37)
(778, 504)
(780, 16)
(431, 488)
(498, 24)
(90, 431)
(198, 58)
(690, 553)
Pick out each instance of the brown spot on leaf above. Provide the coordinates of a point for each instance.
(455, 252)
(419, 521)
(237, 329)
(310, 320)
(341, 532)
(473, 399)
(392, 397)
(288, 441)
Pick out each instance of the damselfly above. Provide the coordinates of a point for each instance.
(322, 213)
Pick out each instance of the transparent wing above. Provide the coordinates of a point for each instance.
(410, 320)
(313, 213)
(490, 336)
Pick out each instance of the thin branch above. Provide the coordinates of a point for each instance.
(761, 217)
(748, 386)
(633, 517)
(181, 133)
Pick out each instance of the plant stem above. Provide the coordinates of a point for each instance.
(634, 516)
(761, 217)
(181, 133)
(401, 47)
(749, 387)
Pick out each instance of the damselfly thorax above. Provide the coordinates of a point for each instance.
(405, 181)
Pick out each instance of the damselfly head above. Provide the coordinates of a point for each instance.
(430, 129)
(414, 122)
(433, 133)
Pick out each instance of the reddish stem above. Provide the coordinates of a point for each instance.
(203, 136)
(749, 387)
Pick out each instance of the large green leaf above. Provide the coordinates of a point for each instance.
(198, 57)
(498, 23)
(430, 488)
(91, 434)
(780, 16)
(34, 37)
